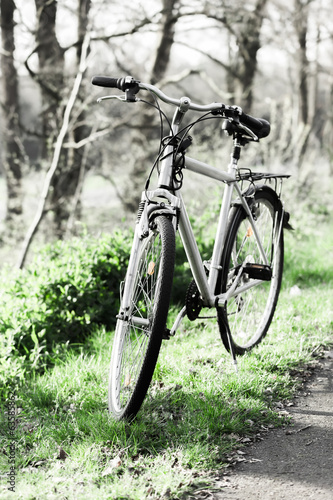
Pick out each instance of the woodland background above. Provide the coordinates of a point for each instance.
(71, 170)
(66, 161)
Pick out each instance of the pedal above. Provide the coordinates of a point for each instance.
(167, 334)
(258, 271)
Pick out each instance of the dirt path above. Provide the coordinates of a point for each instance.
(295, 462)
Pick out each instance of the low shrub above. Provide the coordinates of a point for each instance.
(70, 288)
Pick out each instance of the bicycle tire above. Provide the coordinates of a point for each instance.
(250, 314)
(136, 347)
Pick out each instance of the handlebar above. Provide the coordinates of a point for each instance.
(259, 126)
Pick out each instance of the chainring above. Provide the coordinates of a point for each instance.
(193, 301)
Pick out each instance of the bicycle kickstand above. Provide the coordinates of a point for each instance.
(232, 351)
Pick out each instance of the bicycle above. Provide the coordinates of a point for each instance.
(243, 278)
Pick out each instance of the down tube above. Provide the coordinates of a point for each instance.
(193, 255)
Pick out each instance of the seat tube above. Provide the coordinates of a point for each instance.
(215, 265)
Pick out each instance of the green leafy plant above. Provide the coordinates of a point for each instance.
(70, 289)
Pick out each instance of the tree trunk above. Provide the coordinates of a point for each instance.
(244, 62)
(144, 159)
(301, 28)
(12, 153)
(301, 19)
(51, 71)
(164, 49)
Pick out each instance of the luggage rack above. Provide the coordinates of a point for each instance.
(246, 174)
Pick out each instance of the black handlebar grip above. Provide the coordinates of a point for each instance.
(105, 81)
(259, 126)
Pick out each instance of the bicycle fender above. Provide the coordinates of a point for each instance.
(262, 188)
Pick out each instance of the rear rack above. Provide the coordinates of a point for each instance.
(246, 174)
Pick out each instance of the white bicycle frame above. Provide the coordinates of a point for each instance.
(173, 204)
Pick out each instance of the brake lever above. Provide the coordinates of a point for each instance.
(118, 97)
(248, 131)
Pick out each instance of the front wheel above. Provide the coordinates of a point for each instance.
(257, 283)
(139, 333)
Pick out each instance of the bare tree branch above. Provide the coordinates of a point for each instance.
(177, 78)
(95, 135)
(226, 96)
(212, 58)
(106, 38)
(52, 91)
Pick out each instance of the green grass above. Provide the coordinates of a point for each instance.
(197, 409)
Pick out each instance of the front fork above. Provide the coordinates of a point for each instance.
(153, 204)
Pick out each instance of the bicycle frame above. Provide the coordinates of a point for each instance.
(176, 208)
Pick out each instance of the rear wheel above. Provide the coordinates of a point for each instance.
(139, 335)
(250, 311)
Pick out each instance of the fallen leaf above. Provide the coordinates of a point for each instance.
(112, 465)
(236, 437)
(295, 291)
(107, 471)
(38, 463)
(62, 455)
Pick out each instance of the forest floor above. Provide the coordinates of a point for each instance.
(295, 462)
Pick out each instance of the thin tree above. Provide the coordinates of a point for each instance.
(71, 171)
(143, 128)
(50, 75)
(10, 102)
(305, 118)
(301, 14)
(57, 152)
